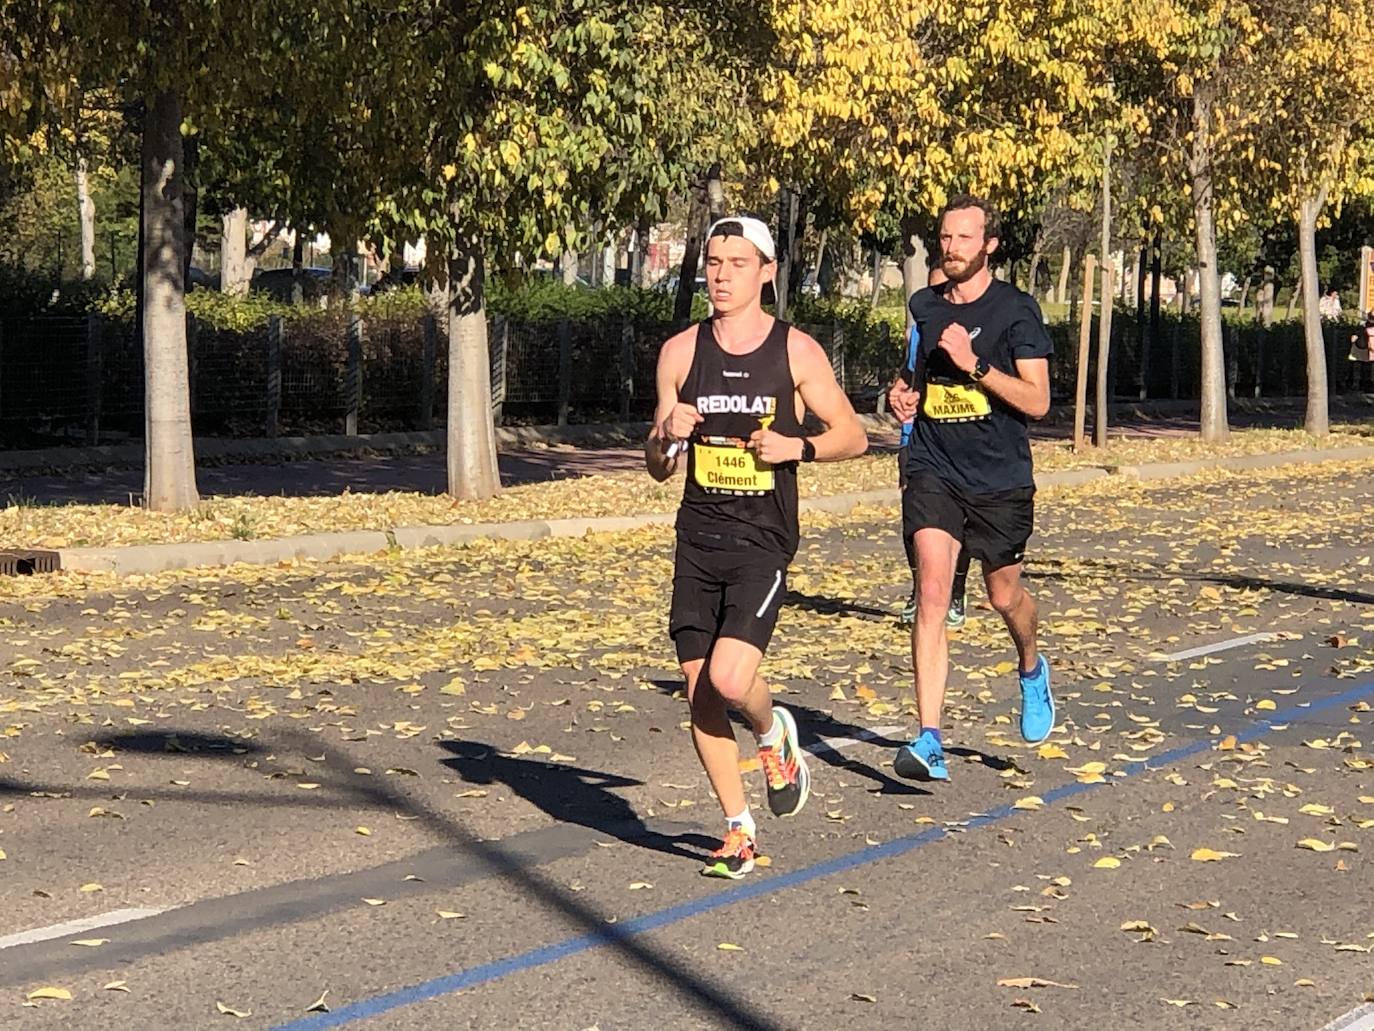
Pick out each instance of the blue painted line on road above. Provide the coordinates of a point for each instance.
(611, 933)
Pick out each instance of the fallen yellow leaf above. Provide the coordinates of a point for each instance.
(1317, 845)
(49, 993)
(1209, 855)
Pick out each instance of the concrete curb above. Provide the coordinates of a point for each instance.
(156, 558)
(1165, 470)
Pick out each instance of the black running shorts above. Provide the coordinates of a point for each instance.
(724, 593)
(993, 528)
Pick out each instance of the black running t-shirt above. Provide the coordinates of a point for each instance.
(963, 433)
(731, 498)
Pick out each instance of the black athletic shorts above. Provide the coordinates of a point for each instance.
(724, 592)
(993, 528)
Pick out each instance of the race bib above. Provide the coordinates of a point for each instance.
(955, 402)
(723, 466)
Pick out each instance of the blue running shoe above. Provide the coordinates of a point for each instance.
(923, 759)
(1037, 703)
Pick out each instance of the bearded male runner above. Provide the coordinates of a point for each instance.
(982, 371)
(732, 391)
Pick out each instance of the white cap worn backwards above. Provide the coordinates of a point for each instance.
(753, 230)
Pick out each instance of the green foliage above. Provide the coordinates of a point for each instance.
(875, 338)
(541, 300)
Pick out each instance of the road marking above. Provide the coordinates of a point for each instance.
(1361, 1018)
(831, 745)
(1212, 649)
(89, 923)
(461, 980)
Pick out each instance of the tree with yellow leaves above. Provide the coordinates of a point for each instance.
(1187, 61)
(1316, 138)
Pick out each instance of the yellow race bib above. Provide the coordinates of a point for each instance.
(955, 402)
(727, 468)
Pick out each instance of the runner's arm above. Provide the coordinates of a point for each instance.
(673, 361)
(844, 435)
(1028, 391)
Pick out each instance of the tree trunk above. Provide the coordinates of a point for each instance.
(1064, 271)
(788, 204)
(1085, 332)
(169, 480)
(1317, 422)
(343, 248)
(298, 269)
(1037, 254)
(1213, 408)
(876, 288)
(715, 195)
(1293, 300)
(915, 263)
(1104, 317)
(86, 210)
(825, 266)
(190, 202)
(472, 469)
(568, 266)
(639, 263)
(1156, 278)
(691, 257)
(1142, 272)
(234, 272)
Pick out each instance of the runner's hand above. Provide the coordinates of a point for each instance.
(956, 343)
(681, 421)
(902, 401)
(773, 447)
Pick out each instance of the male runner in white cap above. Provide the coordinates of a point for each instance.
(732, 392)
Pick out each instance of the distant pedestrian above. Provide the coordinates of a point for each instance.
(1330, 306)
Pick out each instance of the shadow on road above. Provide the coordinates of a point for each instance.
(835, 606)
(1138, 570)
(569, 794)
(341, 788)
(815, 728)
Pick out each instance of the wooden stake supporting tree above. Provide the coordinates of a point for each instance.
(1085, 332)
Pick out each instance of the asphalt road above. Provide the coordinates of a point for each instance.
(453, 788)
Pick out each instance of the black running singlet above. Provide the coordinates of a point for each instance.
(731, 498)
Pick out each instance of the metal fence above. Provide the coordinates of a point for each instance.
(81, 379)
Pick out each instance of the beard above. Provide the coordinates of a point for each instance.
(958, 271)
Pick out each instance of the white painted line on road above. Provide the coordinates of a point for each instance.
(1361, 1018)
(1211, 649)
(827, 745)
(90, 923)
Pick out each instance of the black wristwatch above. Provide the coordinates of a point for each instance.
(980, 369)
(808, 450)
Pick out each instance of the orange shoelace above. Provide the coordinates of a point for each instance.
(779, 773)
(738, 841)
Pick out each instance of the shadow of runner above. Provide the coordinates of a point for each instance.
(815, 727)
(828, 606)
(344, 787)
(725, 1009)
(569, 794)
